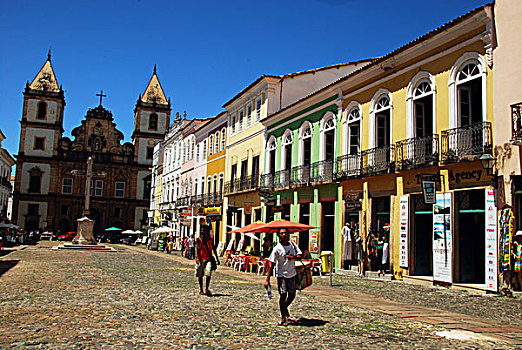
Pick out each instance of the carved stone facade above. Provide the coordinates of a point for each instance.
(50, 181)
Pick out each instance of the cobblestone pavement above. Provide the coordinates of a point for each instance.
(135, 299)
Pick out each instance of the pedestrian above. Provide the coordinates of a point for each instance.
(205, 253)
(191, 247)
(266, 248)
(170, 245)
(283, 259)
(359, 252)
(185, 247)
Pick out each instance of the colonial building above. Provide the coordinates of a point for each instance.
(50, 177)
(6, 189)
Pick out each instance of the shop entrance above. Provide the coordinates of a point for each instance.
(328, 226)
(381, 217)
(352, 219)
(471, 236)
(422, 236)
(304, 218)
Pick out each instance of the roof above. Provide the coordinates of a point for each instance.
(154, 92)
(45, 79)
(393, 53)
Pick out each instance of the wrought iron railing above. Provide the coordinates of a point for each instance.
(244, 184)
(347, 166)
(322, 171)
(378, 160)
(516, 122)
(199, 200)
(282, 178)
(417, 152)
(466, 142)
(267, 181)
(300, 175)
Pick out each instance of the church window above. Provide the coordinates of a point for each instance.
(98, 187)
(32, 209)
(216, 142)
(222, 139)
(119, 189)
(39, 143)
(257, 117)
(67, 185)
(150, 152)
(153, 122)
(35, 180)
(42, 111)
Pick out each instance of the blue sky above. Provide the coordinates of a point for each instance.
(205, 51)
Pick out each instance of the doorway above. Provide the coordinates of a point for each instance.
(422, 237)
(304, 218)
(328, 226)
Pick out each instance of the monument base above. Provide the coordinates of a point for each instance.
(89, 247)
(84, 235)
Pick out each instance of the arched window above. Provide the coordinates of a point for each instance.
(223, 133)
(353, 131)
(209, 185)
(216, 142)
(42, 110)
(286, 160)
(420, 98)
(210, 145)
(380, 119)
(328, 137)
(305, 151)
(215, 178)
(221, 183)
(271, 155)
(467, 85)
(153, 121)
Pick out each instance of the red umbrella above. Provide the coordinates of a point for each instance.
(248, 228)
(275, 225)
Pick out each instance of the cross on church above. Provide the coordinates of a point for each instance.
(101, 96)
(88, 177)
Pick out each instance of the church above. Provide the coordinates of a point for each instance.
(51, 181)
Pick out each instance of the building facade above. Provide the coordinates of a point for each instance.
(50, 184)
(6, 189)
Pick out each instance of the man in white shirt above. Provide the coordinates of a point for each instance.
(283, 258)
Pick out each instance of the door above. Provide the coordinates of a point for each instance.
(328, 226)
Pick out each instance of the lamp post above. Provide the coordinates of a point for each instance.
(488, 163)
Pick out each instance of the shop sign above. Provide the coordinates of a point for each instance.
(428, 189)
(186, 212)
(248, 210)
(201, 211)
(442, 240)
(314, 246)
(213, 211)
(403, 231)
(214, 218)
(353, 206)
(278, 209)
(491, 242)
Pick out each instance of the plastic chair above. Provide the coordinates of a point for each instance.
(253, 261)
(262, 265)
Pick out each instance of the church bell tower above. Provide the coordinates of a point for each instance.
(151, 120)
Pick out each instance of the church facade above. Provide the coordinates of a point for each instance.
(51, 181)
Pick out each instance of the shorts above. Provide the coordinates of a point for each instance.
(203, 268)
(286, 285)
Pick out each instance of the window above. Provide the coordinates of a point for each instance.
(382, 121)
(221, 183)
(287, 151)
(35, 180)
(197, 153)
(64, 210)
(240, 120)
(192, 149)
(469, 95)
(354, 120)
(204, 150)
(215, 183)
(209, 185)
(117, 213)
(150, 152)
(423, 109)
(202, 185)
(257, 117)
(42, 110)
(153, 121)
(272, 155)
(39, 143)
(216, 142)
(67, 185)
(33, 209)
(183, 152)
(210, 145)
(328, 138)
(98, 187)
(306, 145)
(119, 189)
(233, 124)
(249, 116)
(222, 139)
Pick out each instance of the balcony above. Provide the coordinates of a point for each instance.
(282, 178)
(248, 183)
(300, 175)
(417, 152)
(267, 182)
(348, 166)
(516, 123)
(322, 171)
(466, 142)
(378, 160)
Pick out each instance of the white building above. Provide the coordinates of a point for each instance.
(6, 188)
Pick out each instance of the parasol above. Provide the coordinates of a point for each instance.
(113, 229)
(275, 225)
(129, 232)
(248, 228)
(163, 229)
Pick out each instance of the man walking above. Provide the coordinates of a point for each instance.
(204, 250)
(283, 258)
(191, 247)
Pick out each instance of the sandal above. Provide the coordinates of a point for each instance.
(284, 323)
(209, 293)
(201, 293)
